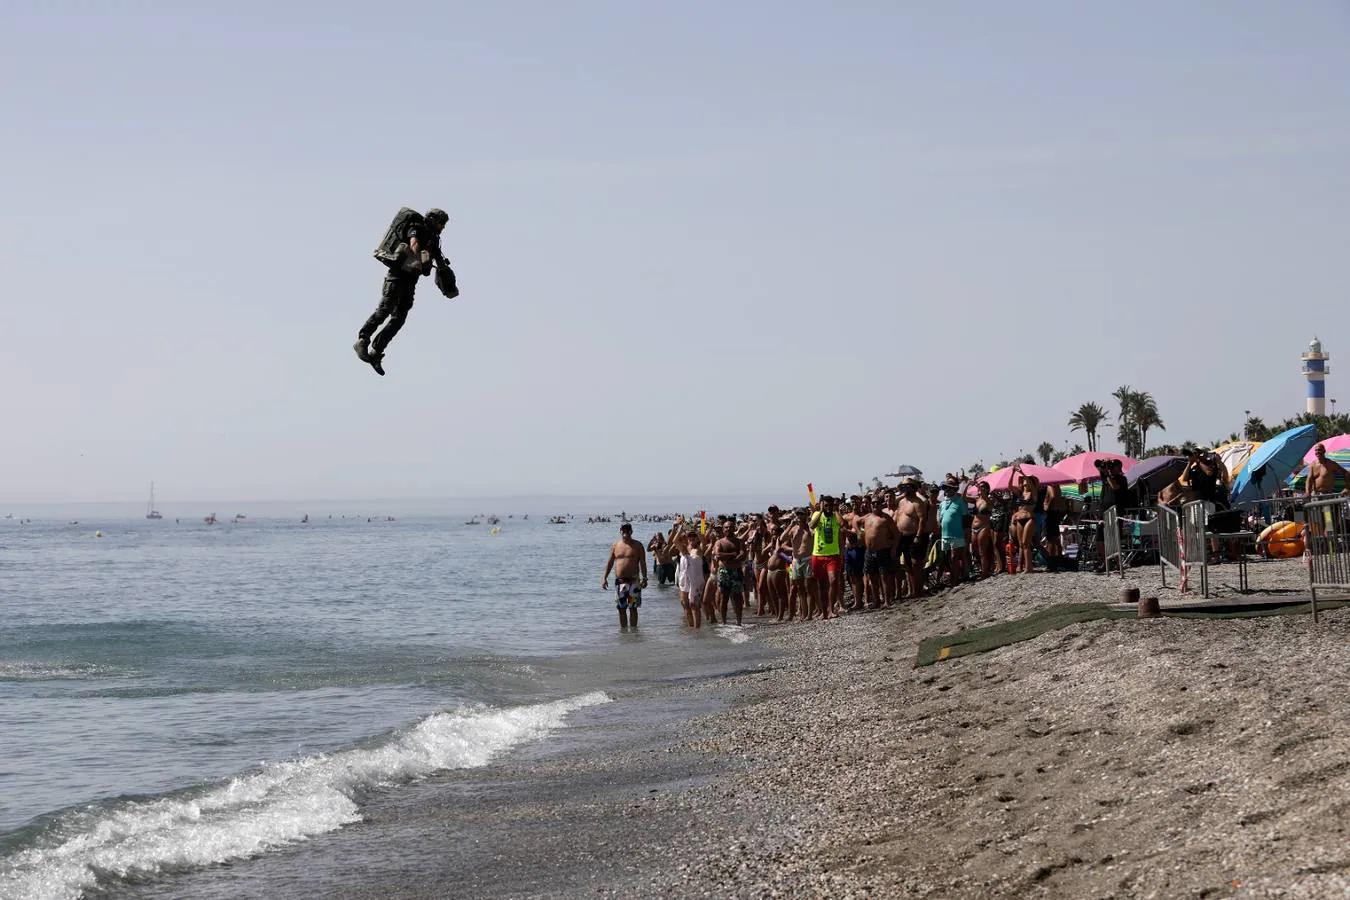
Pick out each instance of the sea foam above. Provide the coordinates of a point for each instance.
(281, 803)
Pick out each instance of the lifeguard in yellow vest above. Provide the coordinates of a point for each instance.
(827, 556)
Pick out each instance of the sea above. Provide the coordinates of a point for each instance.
(176, 695)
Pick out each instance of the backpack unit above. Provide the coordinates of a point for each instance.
(393, 250)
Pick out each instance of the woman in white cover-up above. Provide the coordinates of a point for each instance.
(689, 579)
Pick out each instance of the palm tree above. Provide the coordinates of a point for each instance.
(1327, 426)
(975, 469)
(1046, 452)
(1088, 417)
(1126, 433)
(1255, 430)
(1138, 413)
(1146, 417)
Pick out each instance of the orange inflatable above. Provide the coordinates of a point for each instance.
(1281, 540)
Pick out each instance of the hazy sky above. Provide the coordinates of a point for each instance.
(703, 247)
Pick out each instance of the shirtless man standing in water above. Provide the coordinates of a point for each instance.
(759, 546)
(800, 589)
(1322, 474)
(729, 554)
(628, 559)
(776, 578)
(910, 517)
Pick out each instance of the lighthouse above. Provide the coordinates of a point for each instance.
(1315, 369)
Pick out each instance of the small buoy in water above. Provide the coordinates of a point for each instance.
(496, 531)
(98, 534)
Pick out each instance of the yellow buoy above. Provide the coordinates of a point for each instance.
(98, 534)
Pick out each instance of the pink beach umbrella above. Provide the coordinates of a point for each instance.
(1339, 442)
(1002, 480)
(1083, 466)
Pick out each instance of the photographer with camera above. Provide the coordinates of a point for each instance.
(1116, 491)
(1205, 475)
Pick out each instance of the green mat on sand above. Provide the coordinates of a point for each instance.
(991, 637)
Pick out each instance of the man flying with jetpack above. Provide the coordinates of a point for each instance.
(410, 248)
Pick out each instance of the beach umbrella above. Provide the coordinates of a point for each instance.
(1155, 473)
(1235, 454)
(1083, 466)
(1275, 461)
(1333, 445)
(1002, 480)
(905, 471)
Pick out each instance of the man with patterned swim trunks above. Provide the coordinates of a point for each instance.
(730, 577)
(628, 559)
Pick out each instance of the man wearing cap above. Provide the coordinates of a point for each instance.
(952, 529)
(423, 242)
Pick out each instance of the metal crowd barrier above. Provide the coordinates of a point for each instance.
(1280, 509)
(1138, 533)
(1195, 544)
(1328, 547)
(1111, 541)
(1171, 547)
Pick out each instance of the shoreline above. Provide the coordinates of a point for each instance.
(1159, 757)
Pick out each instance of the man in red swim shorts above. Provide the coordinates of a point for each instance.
(827, 558)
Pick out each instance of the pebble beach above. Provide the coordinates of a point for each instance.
(1160, 757)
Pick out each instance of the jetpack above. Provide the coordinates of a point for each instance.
(394, 253)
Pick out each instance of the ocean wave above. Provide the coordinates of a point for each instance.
(737, 634)
(33, 670)
(279, 804)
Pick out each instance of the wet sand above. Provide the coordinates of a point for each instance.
(1135, 758)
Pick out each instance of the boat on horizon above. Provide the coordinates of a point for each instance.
(150, 511)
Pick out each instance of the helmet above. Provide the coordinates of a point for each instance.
(437, 215)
